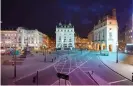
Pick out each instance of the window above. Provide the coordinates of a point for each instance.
(60, 38)
(65, 45)
(110, 35)
(70, 45)
(70, 40)
(71, 30)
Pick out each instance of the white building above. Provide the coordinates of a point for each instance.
(30, 38)
(65, 36)
(106, 33)
(8, 39)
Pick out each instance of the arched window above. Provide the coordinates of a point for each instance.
(70, 45)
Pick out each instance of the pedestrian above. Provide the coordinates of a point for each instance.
(132, 77)
(92, 71)
(52, 59)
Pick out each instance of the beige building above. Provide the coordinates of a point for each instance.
(105, 33)
(8, 39)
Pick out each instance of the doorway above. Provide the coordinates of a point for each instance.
(110, 47)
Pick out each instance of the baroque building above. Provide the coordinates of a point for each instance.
(105, 33)
(65, 36)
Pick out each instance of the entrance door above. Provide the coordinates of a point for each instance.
(110, 48)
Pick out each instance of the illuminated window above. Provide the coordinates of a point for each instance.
(110, 35)
(70, 40)
(60, 38)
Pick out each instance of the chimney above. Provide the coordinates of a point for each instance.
(114, 12)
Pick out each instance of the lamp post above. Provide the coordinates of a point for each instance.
(15, 62)
(15, 71)
(43, 50)
(45, 55)
(117, 54)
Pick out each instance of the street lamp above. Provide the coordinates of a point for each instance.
(45, 55)
(15, 71)
(117, 54)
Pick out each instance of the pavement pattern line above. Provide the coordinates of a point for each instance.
(70, 65)
(117, 81)
(87, 75)
(56, 67)
(60, 80)
(35, 72)
(63, 67)
(78, 66)
(76, 62)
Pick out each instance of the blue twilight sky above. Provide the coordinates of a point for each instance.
(45, 14)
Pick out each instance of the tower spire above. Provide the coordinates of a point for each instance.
(114, 13)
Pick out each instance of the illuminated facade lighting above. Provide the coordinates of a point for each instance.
(105, 33)
(65, 36)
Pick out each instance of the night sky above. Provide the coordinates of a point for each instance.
(44, 15)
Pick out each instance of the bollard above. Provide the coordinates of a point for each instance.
(132, 77)
(34, 79)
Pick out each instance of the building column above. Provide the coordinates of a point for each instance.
(107, 47)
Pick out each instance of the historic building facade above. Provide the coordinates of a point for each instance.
(30, 38)
(105, 33)
(8, 39)
(65, 36)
